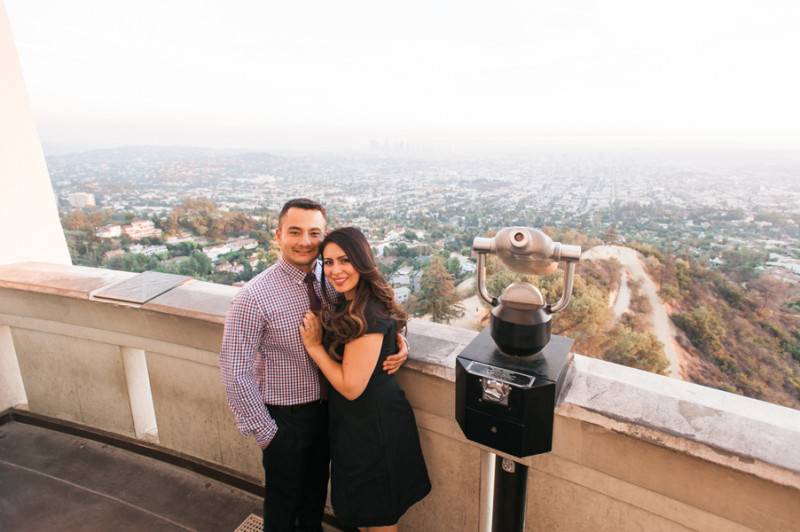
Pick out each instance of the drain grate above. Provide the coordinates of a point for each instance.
(253, 523)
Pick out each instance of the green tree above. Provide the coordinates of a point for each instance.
(637, 350)
(453, 267)
(586, 318)
(743, 263)
(182, 249)
(437, 295)
(270, 255)
(611, 236)
(500, 279)
(197, 265)
(248, 272)
(134, 262)
(704, 328)
(385, 269)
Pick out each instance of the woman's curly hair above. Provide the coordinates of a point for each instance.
(349, 323)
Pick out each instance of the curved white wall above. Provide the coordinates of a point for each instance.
(29, 226)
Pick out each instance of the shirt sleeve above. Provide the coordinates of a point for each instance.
(244, 328)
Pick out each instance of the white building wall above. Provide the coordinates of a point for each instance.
(29, 226)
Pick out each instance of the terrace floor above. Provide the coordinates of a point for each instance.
(51, 480)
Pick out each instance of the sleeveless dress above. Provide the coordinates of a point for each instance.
(377, 468)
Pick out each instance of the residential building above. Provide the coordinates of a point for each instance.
(109, 231)
(79, 200)
(139, 229)
(401, 294)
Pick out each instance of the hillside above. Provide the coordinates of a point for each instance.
(676, 317)
(743, 335)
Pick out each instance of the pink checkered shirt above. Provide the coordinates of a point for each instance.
(263, 360)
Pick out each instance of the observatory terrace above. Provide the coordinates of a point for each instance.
(114, 416)
(123, 403)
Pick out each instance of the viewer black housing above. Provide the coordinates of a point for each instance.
(522, 425)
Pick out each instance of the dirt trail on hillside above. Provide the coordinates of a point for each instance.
(622, 299)
(659, 318)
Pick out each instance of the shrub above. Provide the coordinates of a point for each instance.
(730, 292)
(637, 350)
(703, 327)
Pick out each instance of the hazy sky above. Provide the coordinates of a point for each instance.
(337, 74)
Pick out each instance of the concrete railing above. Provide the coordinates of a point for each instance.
(632, 450)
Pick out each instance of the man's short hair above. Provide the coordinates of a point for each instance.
(302, 203)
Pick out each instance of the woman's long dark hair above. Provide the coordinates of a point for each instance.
(349, 323)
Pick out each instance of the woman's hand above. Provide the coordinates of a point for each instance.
(311, 331)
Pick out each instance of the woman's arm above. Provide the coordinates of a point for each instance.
(349, 378)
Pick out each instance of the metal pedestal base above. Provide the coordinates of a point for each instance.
(504, 486)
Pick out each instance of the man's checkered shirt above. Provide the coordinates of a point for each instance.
(263, 360)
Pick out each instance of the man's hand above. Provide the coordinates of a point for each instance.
(264, 444)
(393, 362)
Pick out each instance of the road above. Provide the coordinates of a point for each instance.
(633, 269)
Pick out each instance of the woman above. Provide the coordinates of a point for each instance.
(377, 468)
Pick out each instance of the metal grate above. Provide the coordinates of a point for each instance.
(253, 523)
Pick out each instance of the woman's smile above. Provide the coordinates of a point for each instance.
(339, 270)
(339, 282)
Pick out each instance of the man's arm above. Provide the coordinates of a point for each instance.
(244, 326)
(393, 362)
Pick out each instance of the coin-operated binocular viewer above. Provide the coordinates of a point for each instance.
(509, 377)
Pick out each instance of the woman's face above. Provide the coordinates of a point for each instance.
(339, 271)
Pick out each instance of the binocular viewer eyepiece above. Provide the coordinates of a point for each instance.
(520, 321)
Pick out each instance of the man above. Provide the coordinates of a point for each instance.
(273, 387)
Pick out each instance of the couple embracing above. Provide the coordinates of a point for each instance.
(308, 361)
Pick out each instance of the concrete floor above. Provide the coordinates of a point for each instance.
(55, 481)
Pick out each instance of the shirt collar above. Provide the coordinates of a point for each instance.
(296, 274)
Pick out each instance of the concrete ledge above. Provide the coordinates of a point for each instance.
(69, 281)
(433, 347)
(745, 434)
(197, 300)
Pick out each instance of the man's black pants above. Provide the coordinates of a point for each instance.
(296, 466)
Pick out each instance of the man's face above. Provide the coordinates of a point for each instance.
(299, 235)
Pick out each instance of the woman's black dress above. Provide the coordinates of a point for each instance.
(377, 468)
